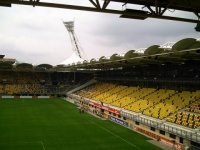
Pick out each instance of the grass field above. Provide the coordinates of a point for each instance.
(54, 124)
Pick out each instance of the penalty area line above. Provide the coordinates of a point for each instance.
(43, 145)
(113, 134)
(19, 143)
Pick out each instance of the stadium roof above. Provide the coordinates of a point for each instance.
(7, 60)
(46, 66)
(187, 43)
(154, 8)
(2, 56)
(72, 59)
(154, 49)
(184, 51)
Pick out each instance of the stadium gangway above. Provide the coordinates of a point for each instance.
(190, 134)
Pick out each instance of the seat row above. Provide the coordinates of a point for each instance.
(157, 103)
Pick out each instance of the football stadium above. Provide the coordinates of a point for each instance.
(121, 102)
(147, 99)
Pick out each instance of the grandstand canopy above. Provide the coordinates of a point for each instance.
(115, 57)
(24, 66)
(93, 60)
(185, 44)
(47, 66)
(131, 54)
(183, 51)
(7, 60)
(85, 62)
(43, 67)
(72, 59)
(2, 56)
(103, 59)
(154, 49)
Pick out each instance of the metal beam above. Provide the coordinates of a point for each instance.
(98, 4)
(165, 8)
(95, 5)
(197, 14)
(156, 7)
(176, 4)
(163, 11)
(105, 4)
(5, 4)
(109, 11)
(151, 10)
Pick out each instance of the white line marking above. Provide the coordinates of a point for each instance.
(19, 143)
(43, 145)
(25, 143)
(113, 134)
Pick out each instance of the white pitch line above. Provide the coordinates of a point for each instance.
(113, 134)
(25, 143)
(43, 145)
(19, 143)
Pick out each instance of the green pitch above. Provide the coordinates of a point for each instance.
(54, 124)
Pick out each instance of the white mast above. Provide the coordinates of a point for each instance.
(76, 46)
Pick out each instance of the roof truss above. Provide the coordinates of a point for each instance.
(156, 8)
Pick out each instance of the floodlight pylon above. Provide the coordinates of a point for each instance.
(76, 46)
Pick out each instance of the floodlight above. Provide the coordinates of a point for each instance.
(134, 14)
(5, 4)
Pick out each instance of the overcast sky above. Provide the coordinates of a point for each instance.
(37, 35)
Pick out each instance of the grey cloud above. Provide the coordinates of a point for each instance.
(38, 35)
(144, 33)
